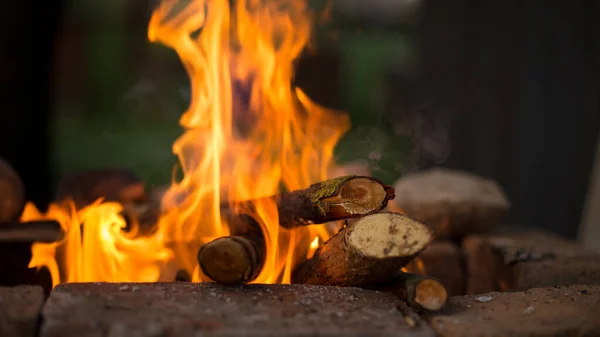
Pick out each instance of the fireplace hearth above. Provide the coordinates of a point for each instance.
(501, 281)
(262, 233)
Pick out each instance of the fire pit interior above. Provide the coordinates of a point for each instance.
(262, 233)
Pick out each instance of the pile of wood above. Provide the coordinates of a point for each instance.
(369, 251)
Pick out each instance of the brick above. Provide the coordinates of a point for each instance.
(453, 203)
(209, 309)
(540, 312)
(442, 260)
(520, 260)
(20, 309)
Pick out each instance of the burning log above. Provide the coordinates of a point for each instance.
(368, 252)
(237, 258)
(12, 193)
(334, 199)
(31, 231)
(330, 200)
(418, 291)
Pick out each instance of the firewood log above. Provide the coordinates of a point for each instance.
(367, 252)
(330, 200)
(237, 258)
(334, 199)
(12, 193)
(31, 231)
(420, 292)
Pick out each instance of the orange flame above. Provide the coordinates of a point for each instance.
(248, 133)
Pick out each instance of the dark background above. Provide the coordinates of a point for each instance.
(506, 89)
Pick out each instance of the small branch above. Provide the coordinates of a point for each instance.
(418, 291)
(368, 252)
(31, 231)
(234, 259)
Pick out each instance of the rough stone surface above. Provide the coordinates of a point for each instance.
(517, 260)
(454, 203)
(209, 309)
(20, 309)
(556, 311)
(443, 261)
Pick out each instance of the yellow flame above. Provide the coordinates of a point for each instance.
(248, 133)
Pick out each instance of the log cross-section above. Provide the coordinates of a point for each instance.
(368, 252)
(418, 291)
(237, 258)
(334, 199)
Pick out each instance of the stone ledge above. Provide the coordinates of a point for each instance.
(20, 310)
(517, 260)
(208, 309)
(557, 311)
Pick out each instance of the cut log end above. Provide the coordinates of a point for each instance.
(334, 199)
(357, 197)
(384, 235)
(420, 292)
(430, 295)
(366, 253)
(229, 260)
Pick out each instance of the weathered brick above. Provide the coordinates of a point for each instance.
(20, 309)
(453, 203)
(519, 260)
(442, 260)
(540, 312)
(209, 309)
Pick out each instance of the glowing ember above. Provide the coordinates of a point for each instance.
(232, 148)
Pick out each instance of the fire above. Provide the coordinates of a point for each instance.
(248, 134)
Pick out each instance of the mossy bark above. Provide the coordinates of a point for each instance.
(324, 201)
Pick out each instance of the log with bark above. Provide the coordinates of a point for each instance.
(12, 193)
(334, 199)
(237, 258)
(443, 261)
(31, 231)
(368, 252)
(420, 292)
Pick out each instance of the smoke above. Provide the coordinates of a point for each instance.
(376, 150)
(426, 121)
